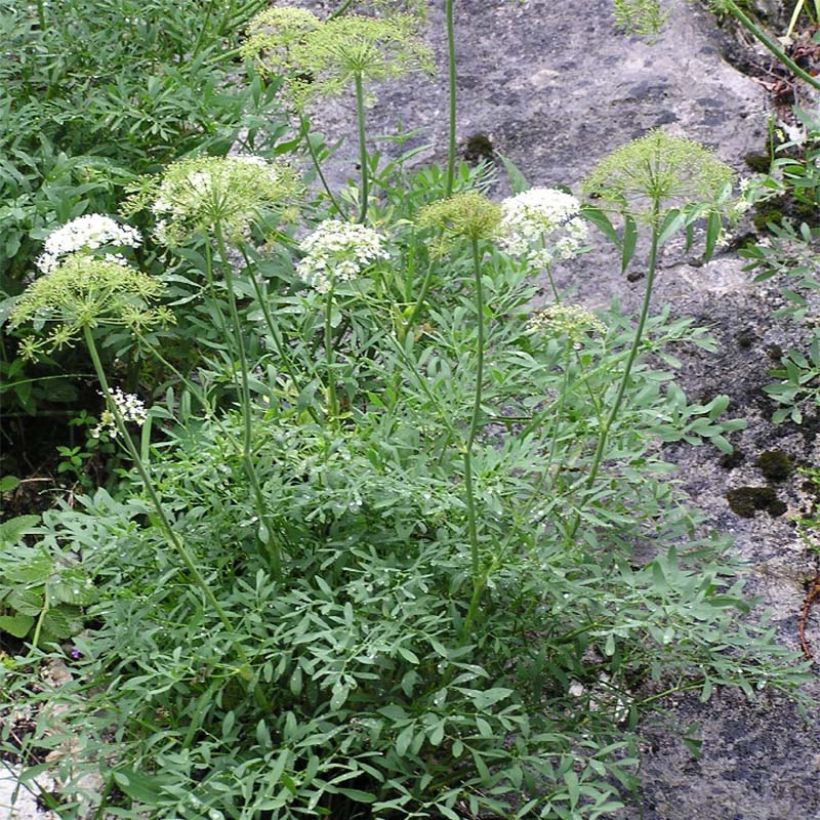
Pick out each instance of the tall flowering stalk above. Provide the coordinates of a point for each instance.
(471, 217)
(336, 253)
(80, 294)
(324, 58)
(222, 199)
(452, 88)
(652, 181)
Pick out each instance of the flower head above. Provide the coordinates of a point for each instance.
(657, 172)
(542, 225)
(339, 252)
(233, 192)
(468, 215)
(85, 233)
(322, 58)
(85, 291)
(272, 36)
(571, 321)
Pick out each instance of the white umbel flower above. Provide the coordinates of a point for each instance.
(541, 226)
(339, 252)
(131, 408)
(88, 232)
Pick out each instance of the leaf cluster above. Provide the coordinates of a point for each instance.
(39, 594)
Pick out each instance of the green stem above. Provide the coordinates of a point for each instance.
(318, 166)
(451, 96)
(472, 524)
(165, 524)
(333, 403)
(630, 361)
(556, 295)
(203, 29)
(341, 10)
(41, 15)
(603, 434)
(266, 530)
(284, 357)
(365, 188)
(425, 286)
(770, 44)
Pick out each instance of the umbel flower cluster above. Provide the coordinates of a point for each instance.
(85, 291)
(130, 408)
(469, 215)
(321, 58)
(647, 177)
(338, 252)
(85, 233)
(542, 225)
(571, 321)
(228, 193)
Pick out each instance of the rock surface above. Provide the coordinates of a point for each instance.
(554, 87)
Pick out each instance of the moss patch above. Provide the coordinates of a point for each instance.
(775, 465)
(746, 501)
(731, 460)
(478, 147)
(759, 163)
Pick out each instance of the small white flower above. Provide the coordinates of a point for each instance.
(542, 225)
(338, 252)
(131, 408)
(88, 232)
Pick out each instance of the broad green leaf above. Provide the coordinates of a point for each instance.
(14, 529)
(16, 625)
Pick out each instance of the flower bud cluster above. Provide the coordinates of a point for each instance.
(231, 193)
(571, 321)
(321, 58)
(339, 252)
(85, 233)
(542, 225)
(85, 291)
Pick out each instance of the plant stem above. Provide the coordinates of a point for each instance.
(630, 361)
(770, 44)
(265, 530)
(557, 296)
(318, 166)
(425, 286)
(165, 524)
(365, 189)
(451, 96)
(285, 359)
(333, 403)
(203, 29)
(341, 10)
(41, 15)
(472, 525)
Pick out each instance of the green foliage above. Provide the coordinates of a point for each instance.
(395, 542)
(100, 94)
(790, 253)
(642, 17)
(798, 385)
(94, 95)
(40, 597)
(380, 664)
